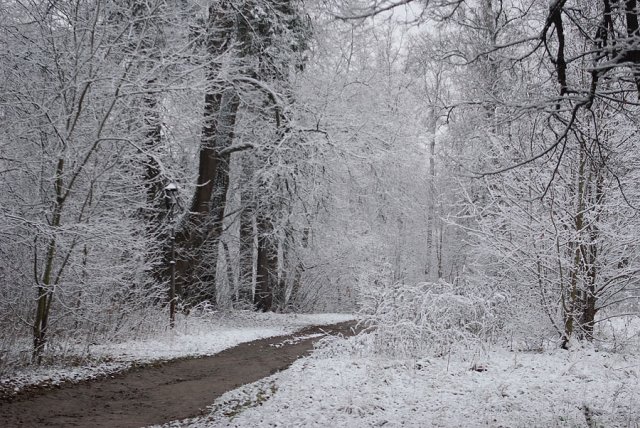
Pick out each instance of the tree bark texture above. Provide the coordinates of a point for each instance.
(200, 231)
(247, 238)
(581, 298)
(267, 266)
(45, 290)
(198, 237)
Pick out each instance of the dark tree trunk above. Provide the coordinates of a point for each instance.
(590, 296)
(296, 280)
(245, 293)
(45, 286)
(267, 267)
(199, 233)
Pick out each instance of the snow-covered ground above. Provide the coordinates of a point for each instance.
(202, 336)
(192, 337)
(343, 385)
(340, 387)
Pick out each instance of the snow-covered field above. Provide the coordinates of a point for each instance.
(193, 336)
(340, 387)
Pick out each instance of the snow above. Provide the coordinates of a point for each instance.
(192, 337)
(53, 376)
(296, 339)
(344, 385)
(341, 388)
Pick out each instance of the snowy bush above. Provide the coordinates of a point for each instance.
(425, 318)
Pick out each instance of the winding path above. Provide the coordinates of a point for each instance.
(154, 395)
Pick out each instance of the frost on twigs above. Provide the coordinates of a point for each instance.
(412, 320)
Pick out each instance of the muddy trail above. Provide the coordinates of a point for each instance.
(173, 390)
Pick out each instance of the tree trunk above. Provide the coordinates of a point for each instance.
(590, 294)
(267, 266)
(198, 237)
(45, 289)
(200, 231)
(155, 210)
(296, 281)
(247, 238)
(431, 210)
(570, 301)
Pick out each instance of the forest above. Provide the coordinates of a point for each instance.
(454, 172)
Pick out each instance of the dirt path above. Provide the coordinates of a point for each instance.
(154, 395)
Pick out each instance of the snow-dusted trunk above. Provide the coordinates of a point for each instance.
(580, 299)
(430, 270)
(591, 292)
(490, 77)
(570, 298)
(154, 184)
(298, 269)
(45, 287)
(267, 266)
(149, 39)
(247, 247)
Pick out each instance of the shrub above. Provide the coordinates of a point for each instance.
(425, 318)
